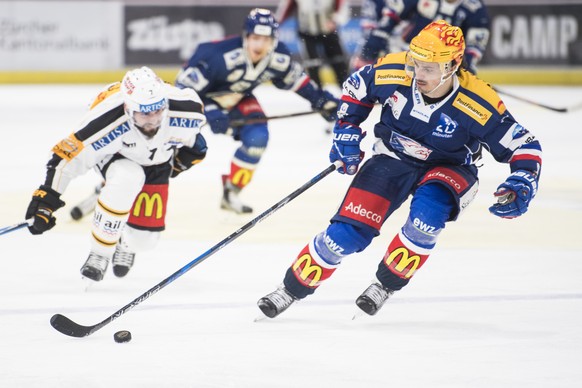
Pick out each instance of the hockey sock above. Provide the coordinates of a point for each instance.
(402, 259)
(307, 272)
(241, 173)
(106, 229)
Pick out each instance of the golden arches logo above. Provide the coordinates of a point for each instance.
(242, 177)
(150, 202)
(308, 268)
(403, 261)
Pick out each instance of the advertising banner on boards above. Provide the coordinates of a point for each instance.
(533, 35)
(60, 35)
(536, 35)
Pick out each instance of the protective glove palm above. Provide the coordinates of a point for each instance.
(346, 147)
(45, 201)
(514, 195)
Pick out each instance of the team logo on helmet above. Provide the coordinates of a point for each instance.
(438, 42)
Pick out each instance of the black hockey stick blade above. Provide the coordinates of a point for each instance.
(538, 104)
(68, 327)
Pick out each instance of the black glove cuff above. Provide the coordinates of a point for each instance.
(52, 198)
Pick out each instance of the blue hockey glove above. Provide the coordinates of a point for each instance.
(217, 118)
(346, 147)
(515, 194)
(45, 201)
(327, 106)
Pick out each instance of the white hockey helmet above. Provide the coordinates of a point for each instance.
(143, 91)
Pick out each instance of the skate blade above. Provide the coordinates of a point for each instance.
(87, 283)
(358, 314)
(260, 318)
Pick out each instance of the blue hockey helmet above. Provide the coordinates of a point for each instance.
(261, 21)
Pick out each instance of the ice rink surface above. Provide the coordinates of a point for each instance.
(498, 304)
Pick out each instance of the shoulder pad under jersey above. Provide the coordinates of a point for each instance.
(482, 89)
(108, 91)
(392, 59)
(280, 61)
(477, 99)
(390, 70)
(473, 5)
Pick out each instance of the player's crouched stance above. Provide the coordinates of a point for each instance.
(137, 134)
(435, 120)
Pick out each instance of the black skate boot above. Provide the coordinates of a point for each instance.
(373, 298)
(95, 267)
(230, 199)
(276, 302)
(122, 261)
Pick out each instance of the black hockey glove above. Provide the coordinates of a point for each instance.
(327, 106)
(186, 157)
(45, 201)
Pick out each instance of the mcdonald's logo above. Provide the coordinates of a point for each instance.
(305, 269)
(151, 202)
(242, 177)
(400, 261)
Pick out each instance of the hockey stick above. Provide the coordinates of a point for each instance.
(14, 227)
(87, 205)
(538, 104)
(241, 122)
(70, 328)
(318, 62)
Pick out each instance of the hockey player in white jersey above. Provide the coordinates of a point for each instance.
(225, 73)
(138, 133)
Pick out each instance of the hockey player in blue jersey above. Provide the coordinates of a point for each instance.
(435, 121)
(392, 25)
(224, 73)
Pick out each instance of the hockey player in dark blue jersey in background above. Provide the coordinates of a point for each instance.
(392, 24)
(224, 73)
(435, 121)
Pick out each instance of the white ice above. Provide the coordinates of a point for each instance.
(498, 304)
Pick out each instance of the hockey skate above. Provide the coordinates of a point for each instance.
(122, 261)
(276, 302)
(230, 199)
(373, 298)
(95, 267)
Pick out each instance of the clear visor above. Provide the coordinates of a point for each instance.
(428, 70)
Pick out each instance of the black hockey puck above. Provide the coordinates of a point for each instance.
(76, 213)
(122, 336)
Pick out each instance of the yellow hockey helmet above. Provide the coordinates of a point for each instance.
(438, 42)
